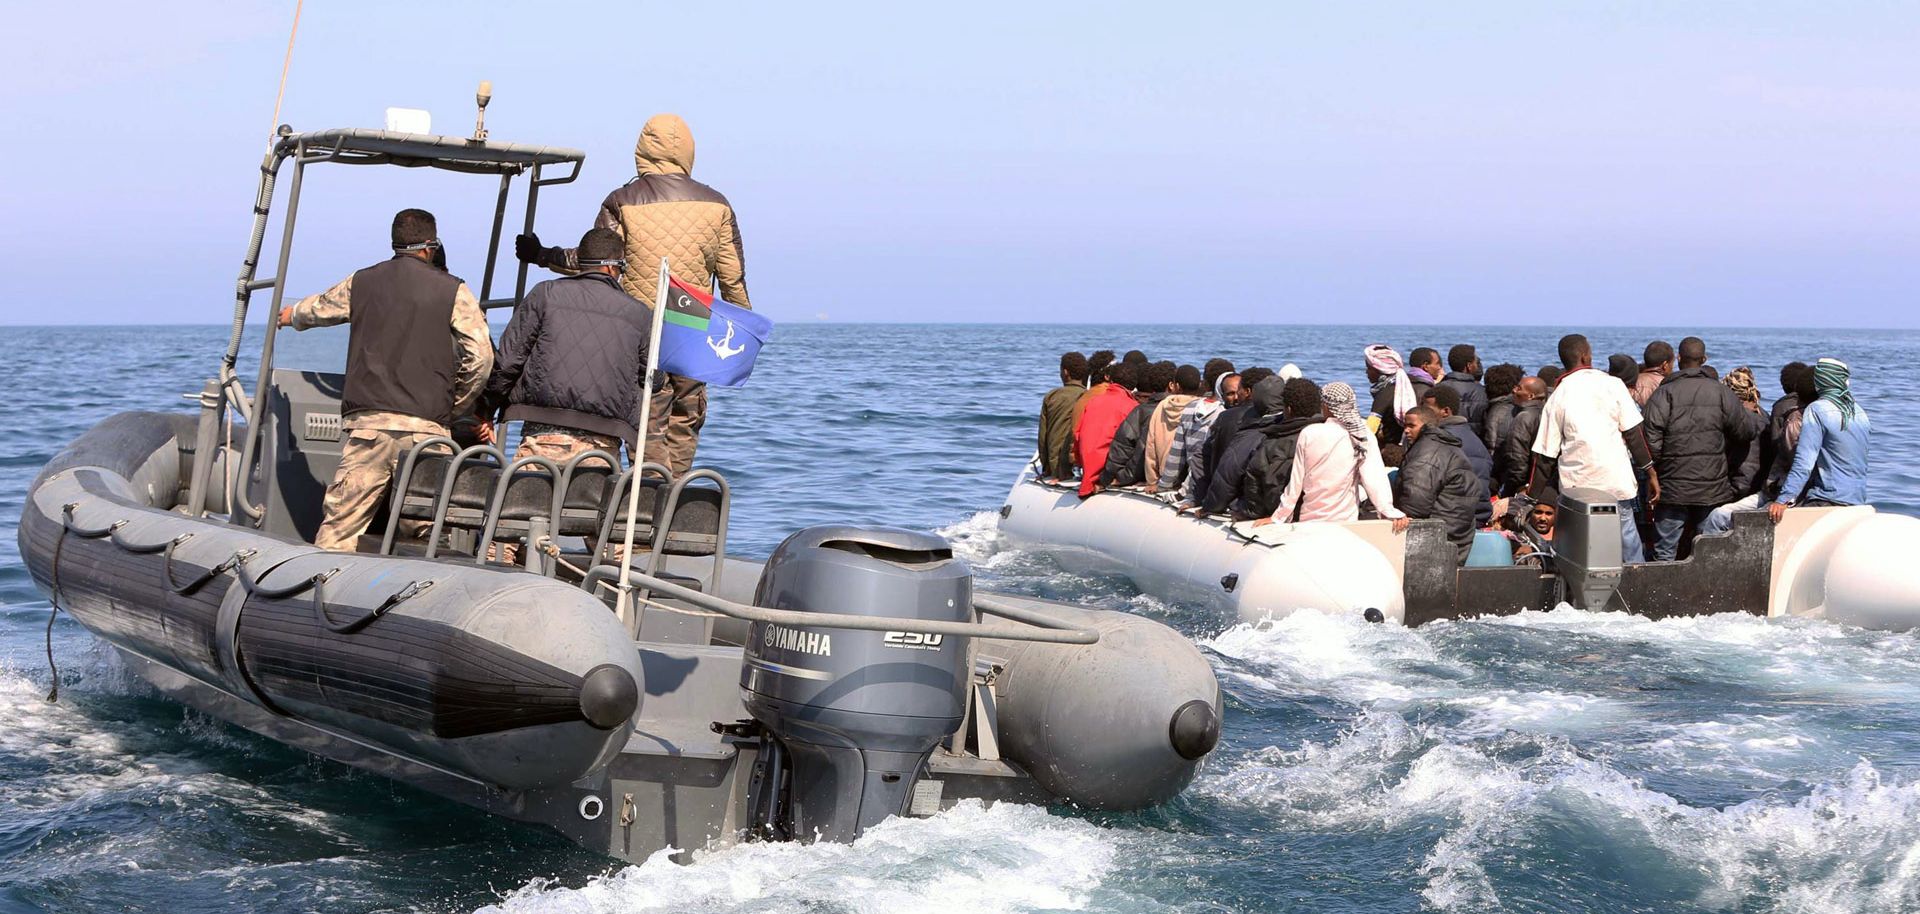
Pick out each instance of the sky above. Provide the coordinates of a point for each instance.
(1571, 163)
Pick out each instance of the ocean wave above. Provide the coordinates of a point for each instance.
(1507, 811)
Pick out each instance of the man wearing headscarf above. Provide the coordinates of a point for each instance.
(1747, 463)
(1331, 462)
(1830, 461)
(1396, 393)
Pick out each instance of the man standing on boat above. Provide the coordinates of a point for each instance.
(405, 382)
(572, 361)
(1591, 438)
(663, 212)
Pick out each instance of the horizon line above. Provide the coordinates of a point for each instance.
(1016, 323)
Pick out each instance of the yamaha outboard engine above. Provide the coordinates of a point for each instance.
(1586, 546)
(850, 716)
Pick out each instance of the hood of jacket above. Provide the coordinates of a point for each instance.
(1460, 376)
(665, 147)
(1439, 434)
(1173, 407)
(1267, 396)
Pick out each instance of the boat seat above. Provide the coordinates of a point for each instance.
(471, 489)
(696, 520)
(530, 494)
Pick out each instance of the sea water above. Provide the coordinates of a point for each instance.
(1560, 761)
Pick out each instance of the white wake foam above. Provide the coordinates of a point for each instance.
(971, 859)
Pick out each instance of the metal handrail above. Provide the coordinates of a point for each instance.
(444, 502)
(1034, 626)
(663, 523)
(404, 480)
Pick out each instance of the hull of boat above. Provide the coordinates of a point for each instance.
(490, 685)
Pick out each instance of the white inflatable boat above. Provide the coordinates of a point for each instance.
(1843, 564)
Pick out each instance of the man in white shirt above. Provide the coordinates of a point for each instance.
(1590, 434)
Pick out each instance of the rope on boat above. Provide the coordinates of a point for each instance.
(235, 563)
(59, 543)
(553, 551)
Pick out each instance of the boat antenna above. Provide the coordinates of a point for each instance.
(285, 64)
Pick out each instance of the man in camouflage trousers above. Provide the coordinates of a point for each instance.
(573, 360)
(404, 383)
(664, 212)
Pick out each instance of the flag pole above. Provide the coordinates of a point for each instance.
(624, 604)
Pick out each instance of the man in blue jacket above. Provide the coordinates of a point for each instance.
(1830, 460)
(1446, 401)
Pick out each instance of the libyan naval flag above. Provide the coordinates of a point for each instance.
(708, 340)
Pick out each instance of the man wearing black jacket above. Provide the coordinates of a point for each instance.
(1253, 471)
(1126, 459)
(573, 359)
(1463, 376)
(1515, 458)
(1435, 482)
(1221, 436)
(1445, 400)
(1691, 419)
(1500, 408)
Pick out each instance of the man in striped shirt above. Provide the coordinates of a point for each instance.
(1195, 424)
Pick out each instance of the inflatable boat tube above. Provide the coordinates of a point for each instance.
(1255, 573)
(512, 680)
(1118, 724)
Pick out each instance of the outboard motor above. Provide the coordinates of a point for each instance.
(1586, 546)
(850, 716)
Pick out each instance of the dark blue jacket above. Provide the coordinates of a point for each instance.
(1472, 449)
(1473, 401)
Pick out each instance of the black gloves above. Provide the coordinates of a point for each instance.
(527, 248)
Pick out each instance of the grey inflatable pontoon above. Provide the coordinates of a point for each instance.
(855, 675)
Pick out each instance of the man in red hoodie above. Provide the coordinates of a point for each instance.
(1093, 435)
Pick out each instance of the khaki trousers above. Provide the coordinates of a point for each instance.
(679, 410)
(367, 462)
(558, 447)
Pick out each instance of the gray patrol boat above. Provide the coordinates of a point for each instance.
(856, 674)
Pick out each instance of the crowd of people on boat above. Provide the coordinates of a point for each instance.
(1678, 445)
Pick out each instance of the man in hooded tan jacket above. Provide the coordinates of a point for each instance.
(664, 212)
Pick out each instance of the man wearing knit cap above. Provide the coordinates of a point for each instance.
(664, 212)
